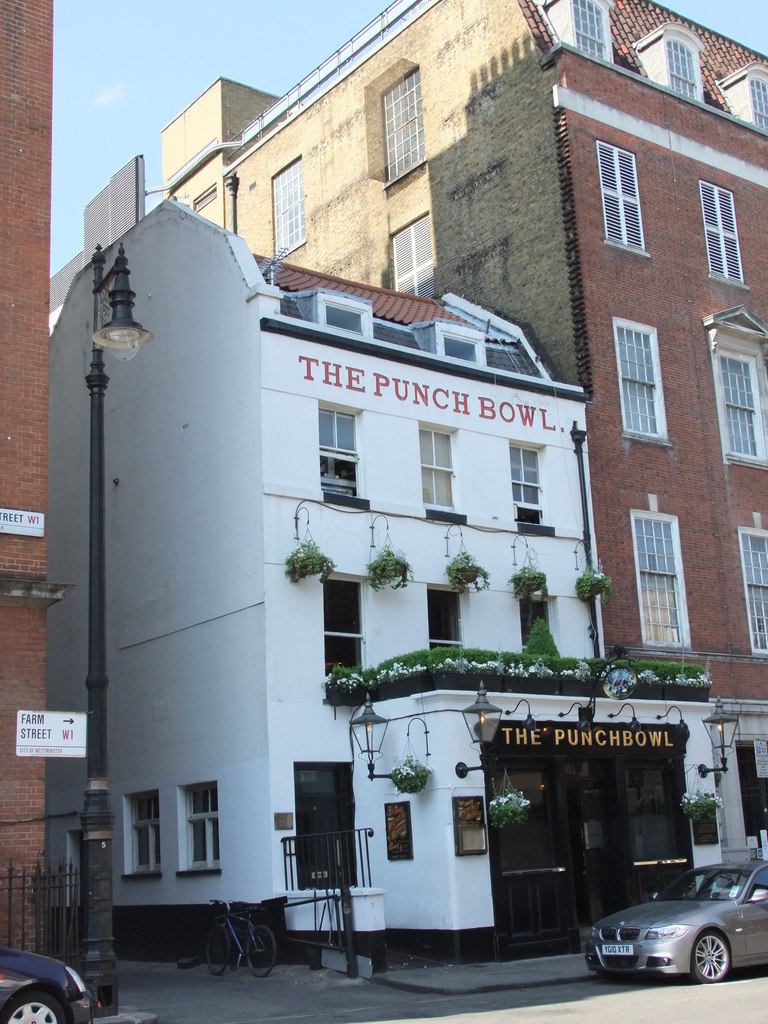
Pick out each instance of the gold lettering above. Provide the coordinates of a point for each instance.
(536, 738)
(600, 737)
(573, 737)
(627, 738)
(586, 739)
(559, 736)
(614, 738)
(521, 736)
(655, 738)
(641, 739)
(667, 741)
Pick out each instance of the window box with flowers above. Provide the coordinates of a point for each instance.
(410, 775)
(307, 559)
(464, 572)
(594, 583)
(510, 807)
(389, 569)
(700, 806)
(528, 582)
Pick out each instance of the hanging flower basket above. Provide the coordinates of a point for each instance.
(410, 775)
(700, 806)
(389, 569)
(528, 581)
(509, 808)
(593, 583)
(464, 572)
(308, 560)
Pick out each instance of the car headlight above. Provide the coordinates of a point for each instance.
(667, 931)
(75, 979)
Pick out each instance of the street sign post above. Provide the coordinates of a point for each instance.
(50, 734)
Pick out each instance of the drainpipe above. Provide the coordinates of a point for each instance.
(579, 436)
(233, 183)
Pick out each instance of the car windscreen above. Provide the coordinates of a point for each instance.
(718, 884)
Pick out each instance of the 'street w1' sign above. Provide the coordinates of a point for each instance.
(50, 733)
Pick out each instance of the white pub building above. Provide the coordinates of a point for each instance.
(317, 490)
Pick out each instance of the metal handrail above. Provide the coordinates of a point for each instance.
(327, 860)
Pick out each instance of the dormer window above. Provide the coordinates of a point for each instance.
(337, 310)
(670, 56)
(584, 24)
(452, 340)
(747, 94)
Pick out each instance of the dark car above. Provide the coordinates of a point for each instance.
(39, 990)
(705, 922)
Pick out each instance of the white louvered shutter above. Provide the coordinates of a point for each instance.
(621, 197)
(720, 231)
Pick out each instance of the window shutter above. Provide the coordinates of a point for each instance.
(720, 231)
(412, 252)
(621, 198)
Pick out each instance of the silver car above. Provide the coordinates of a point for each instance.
(708, 920)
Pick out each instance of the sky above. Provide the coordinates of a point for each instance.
(122, 72)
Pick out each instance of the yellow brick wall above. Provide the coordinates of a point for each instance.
(489, 183)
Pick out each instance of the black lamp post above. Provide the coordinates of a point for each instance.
(99, 966)
(721, 726)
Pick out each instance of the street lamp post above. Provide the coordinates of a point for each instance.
(99, 965)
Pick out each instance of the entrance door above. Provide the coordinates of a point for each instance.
(593, 862)
(325, 838)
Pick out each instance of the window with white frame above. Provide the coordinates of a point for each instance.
(412, 257)
(758, 92)
(661, 590)
(681, 66)
(526, 485)
(404, 126)
(443, 618)
(342, 623)
(436, 468)
(338, 454)
(754, 554)
(589, 28)
(720, 231)
(621, 197)
(145, 831)
(203, 826)
(458, 342)
(288, 194)
(739, 395)
(642, 400)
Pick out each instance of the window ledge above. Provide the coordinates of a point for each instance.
(444, 516)
(630, 435)
(538, 529)
(612, 244)
(350, 500)
(134, 876)
(404, 174)
(729, 280)
(742, 460)
(191, 872)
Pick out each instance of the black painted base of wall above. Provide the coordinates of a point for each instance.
(168, 934)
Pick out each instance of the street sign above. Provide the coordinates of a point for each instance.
(50, 734)
(761, 758)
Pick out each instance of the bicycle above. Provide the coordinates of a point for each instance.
(235, 931)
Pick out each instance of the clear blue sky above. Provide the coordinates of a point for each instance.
(123, 72)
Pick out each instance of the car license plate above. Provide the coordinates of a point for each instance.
(618, 949)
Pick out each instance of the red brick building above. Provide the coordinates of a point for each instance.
(26, 59)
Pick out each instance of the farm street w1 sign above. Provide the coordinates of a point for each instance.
(50, 734)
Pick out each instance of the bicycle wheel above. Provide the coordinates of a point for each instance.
(217, 949)
(261, 950)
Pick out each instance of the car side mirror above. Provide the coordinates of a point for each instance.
(760, 895)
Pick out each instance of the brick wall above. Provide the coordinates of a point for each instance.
(26, 33)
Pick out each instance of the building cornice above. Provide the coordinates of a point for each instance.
(26, 593)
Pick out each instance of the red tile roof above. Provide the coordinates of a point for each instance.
(631, 20)
(395, 307)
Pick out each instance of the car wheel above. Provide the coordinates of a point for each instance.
(33, 1008)
(710, 958)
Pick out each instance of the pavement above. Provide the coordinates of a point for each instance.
(146, 988)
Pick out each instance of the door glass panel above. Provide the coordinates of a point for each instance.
(528, 845)
(649, 815)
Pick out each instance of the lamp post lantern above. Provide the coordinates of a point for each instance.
(97, 819)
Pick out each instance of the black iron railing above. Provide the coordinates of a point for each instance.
(39, 911)
(327, 860)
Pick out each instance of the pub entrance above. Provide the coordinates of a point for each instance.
(604, 831)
